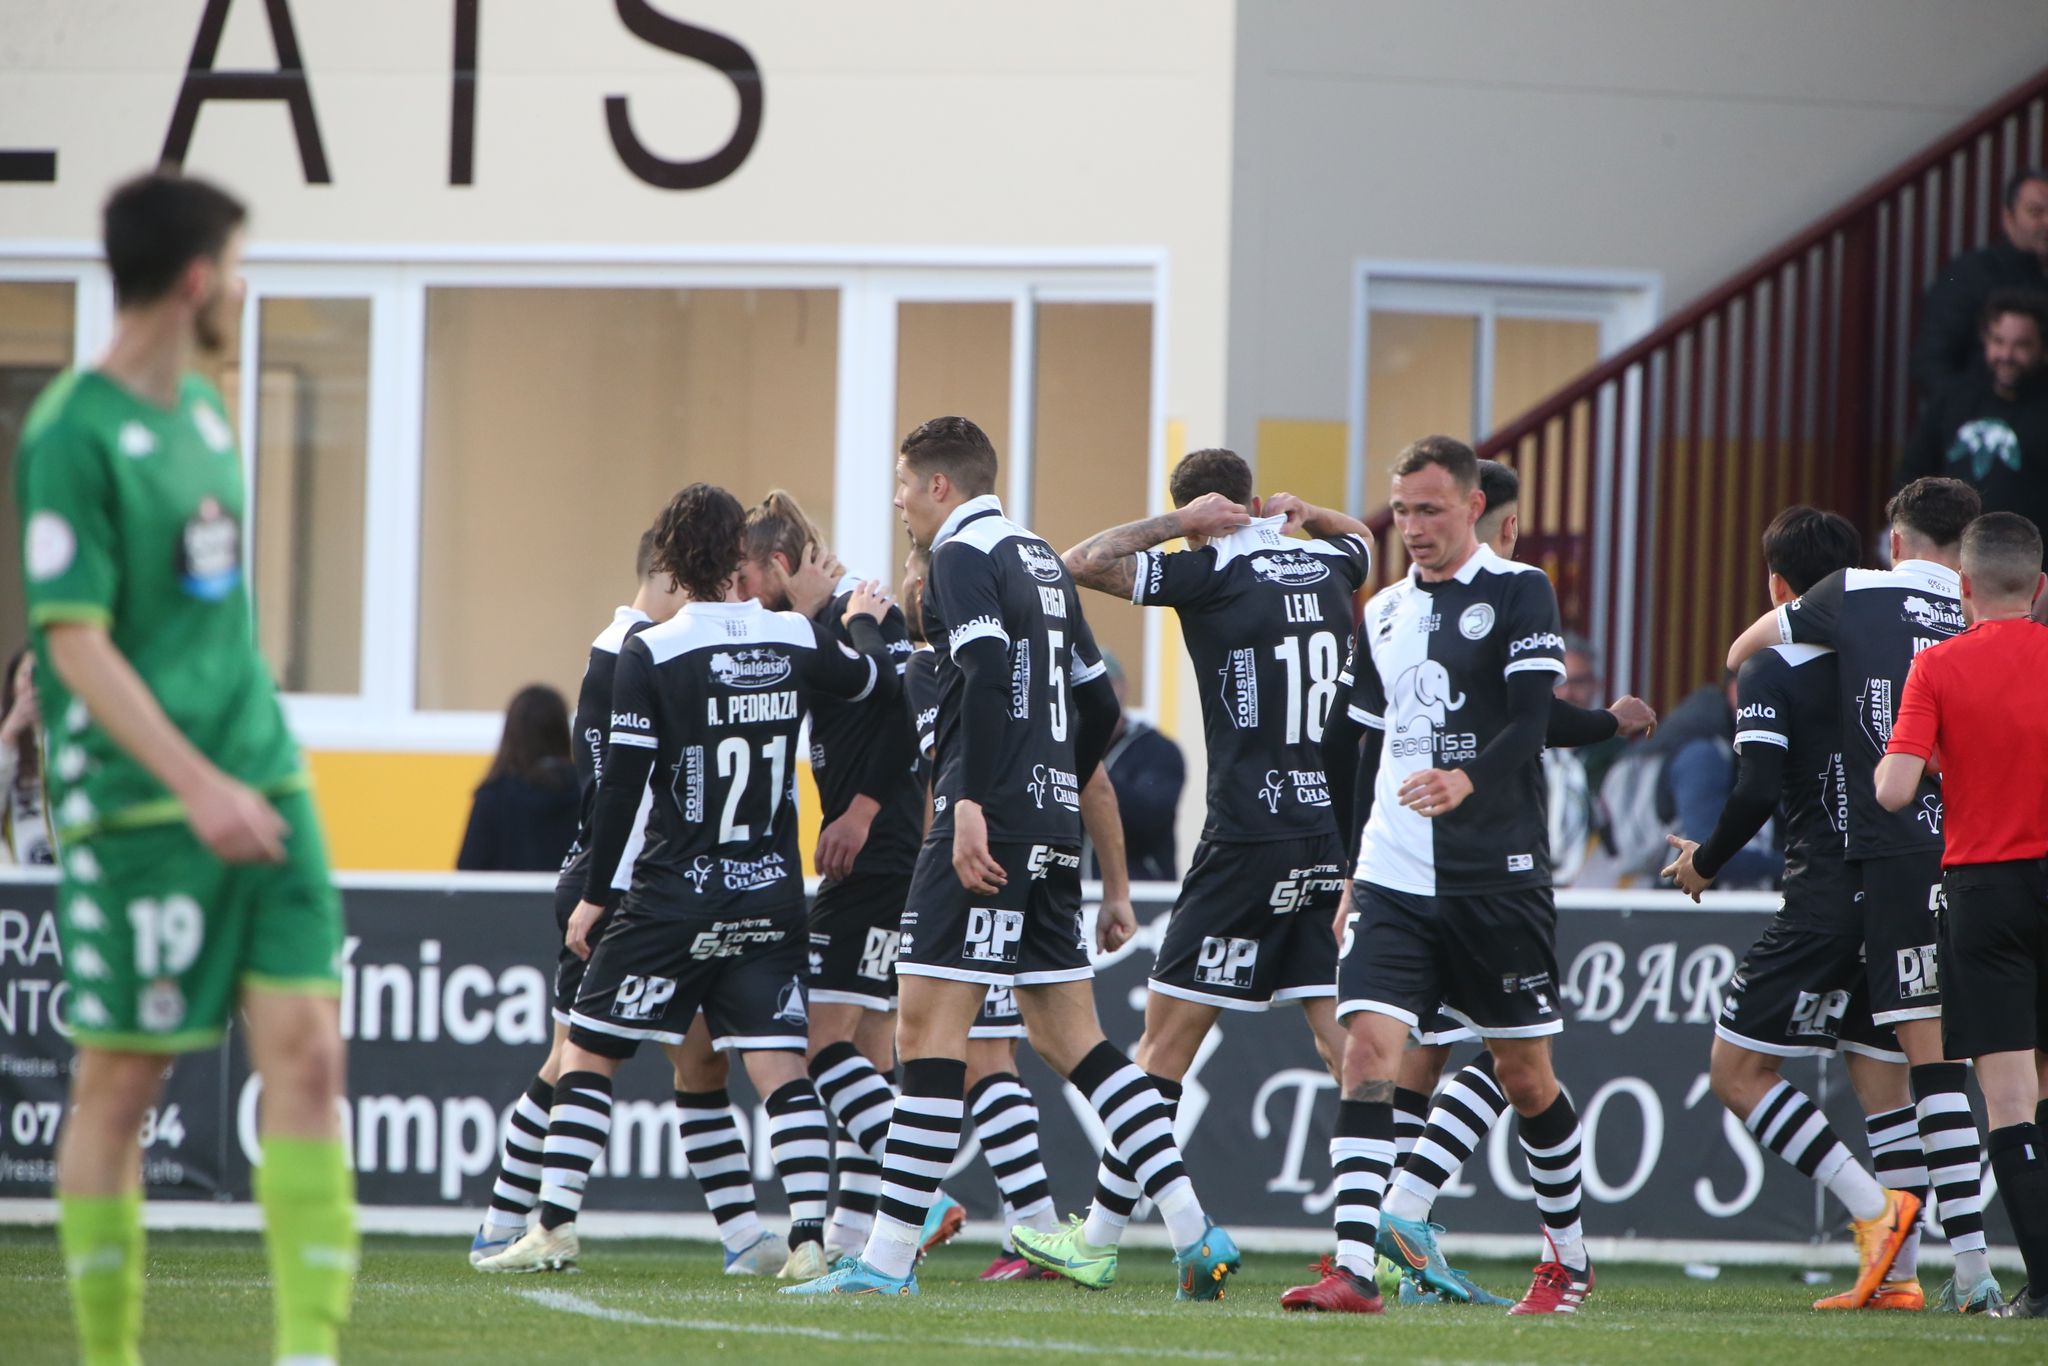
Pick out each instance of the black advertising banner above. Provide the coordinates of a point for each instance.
(446, 1008)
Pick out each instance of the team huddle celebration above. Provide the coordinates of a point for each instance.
(1376, 851)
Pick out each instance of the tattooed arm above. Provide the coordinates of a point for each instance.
(1107, 561)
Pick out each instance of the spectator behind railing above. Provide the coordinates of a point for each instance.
(1946, 344)
(26, 832)
(1700, 774)
(1148, 772)
(1989, 428)
(523, 819)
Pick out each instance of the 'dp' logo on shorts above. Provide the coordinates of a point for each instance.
(641, 998)
(993, 935)
(1226, 962)
(1918, 974)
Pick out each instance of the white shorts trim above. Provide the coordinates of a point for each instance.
(1535, 1031)
(578, 1019)
(561, 1016)
(1776, 1050)
(1442, 1038)
(1892, 1017)
(1046, 979)
(761, 1043)
(1015, 1031)
(1346, 1009)
(1869, 1051)
(1305, 993)
(987, 979)
(1204, 998)
(881, 1005)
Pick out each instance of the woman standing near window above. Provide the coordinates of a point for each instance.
(524, 817)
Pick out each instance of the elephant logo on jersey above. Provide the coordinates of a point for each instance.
(700, 871)
(1984, 443)
(1272, 791)
(1430, 682)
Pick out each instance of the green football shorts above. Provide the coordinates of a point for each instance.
(160, 936)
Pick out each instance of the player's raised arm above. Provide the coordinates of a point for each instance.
(1810, 619)
(1108, 560)
(866, 670)
(1303, 515)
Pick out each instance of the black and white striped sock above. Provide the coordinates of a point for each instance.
(1955, 1166)
(1464, 1113)
(1141, 1130)
(717, 1158)
(1361, 1157)
(860, 1098)
(1793, 1127)
(800, 1142)
(860, 1187)
(579, 1125)
(1411, 1117)
(1550, 1142)
(924, 1138)
(1006, 1123)
(517, 1189)
(1116, 1189)
(1901, 1165)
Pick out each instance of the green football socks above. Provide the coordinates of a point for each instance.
(102, 1240)
(309, 1212)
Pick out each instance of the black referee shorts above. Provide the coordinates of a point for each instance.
(1994, 957)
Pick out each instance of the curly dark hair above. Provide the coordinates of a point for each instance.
(1935, 509)
(1213, 470)
(697, 539)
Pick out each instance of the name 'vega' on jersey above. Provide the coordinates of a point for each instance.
(1877, 621)
(993, 580)
(1268, 624)
(1430, 671)
(1789, 696)
(867, 746)
(715, 696)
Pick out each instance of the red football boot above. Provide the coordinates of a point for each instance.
(1557, 1288)
(1338, 1292)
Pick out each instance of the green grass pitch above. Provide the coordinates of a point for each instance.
(643, 1301)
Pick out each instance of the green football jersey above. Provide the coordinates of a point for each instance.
(131, 517)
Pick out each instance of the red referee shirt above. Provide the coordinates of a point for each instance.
(1981, 699)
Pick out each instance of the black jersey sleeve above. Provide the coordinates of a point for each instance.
(1521, 738)
(965, 595)
(1095, 713)
(629, 759)
(1816, 617)
(1535, 637)
(1764, 702)
(1179, 578)
(856, 672)
(921, 695)
(984, 703)
(1341, 734)
(1355, 561)
(1759, 777)
(1573, 727)
(1368, 693)
(1086, 661)
(1364, 784)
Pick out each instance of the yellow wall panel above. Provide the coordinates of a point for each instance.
(1303, 458)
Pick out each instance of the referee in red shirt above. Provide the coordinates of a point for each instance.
(1980, 701)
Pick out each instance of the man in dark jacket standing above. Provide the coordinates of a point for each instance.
(1945, 344)
(1990, 428)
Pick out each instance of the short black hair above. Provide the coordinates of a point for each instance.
(159, 223)
(2002, 553)
(1448, 453)
(956, 448)
(1211, 470)
(1499, 485)
(1935, 509)
(2026, 303)
(1803, 545)
(2021, 178)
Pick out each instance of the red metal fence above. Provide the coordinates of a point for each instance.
(1648, 480)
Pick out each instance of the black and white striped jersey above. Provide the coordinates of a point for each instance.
(1267, 621)
(709, 704)
(1878, 621)
(590, 728)
(1431, 672)
(993, 580)
(868, 747)
(1789, 696)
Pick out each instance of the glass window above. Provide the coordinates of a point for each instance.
(1092, 448)
(557, 423)
(952, 359)
(312, 444)
(36, 321)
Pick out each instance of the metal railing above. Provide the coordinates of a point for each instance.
(1647, 481)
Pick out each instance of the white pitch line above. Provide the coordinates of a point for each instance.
(565, 1302)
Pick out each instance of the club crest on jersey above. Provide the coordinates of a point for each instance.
(756, 668)
(1290, 568)
(1039, 561)
(1476, 622)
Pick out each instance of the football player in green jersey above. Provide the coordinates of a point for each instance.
(194, 877)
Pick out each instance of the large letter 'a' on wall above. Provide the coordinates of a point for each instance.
(287, 83)
(715, 50)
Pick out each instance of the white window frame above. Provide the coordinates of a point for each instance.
(1626, 305)
(384, 714)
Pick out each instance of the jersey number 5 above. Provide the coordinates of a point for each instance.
(1056, 675)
